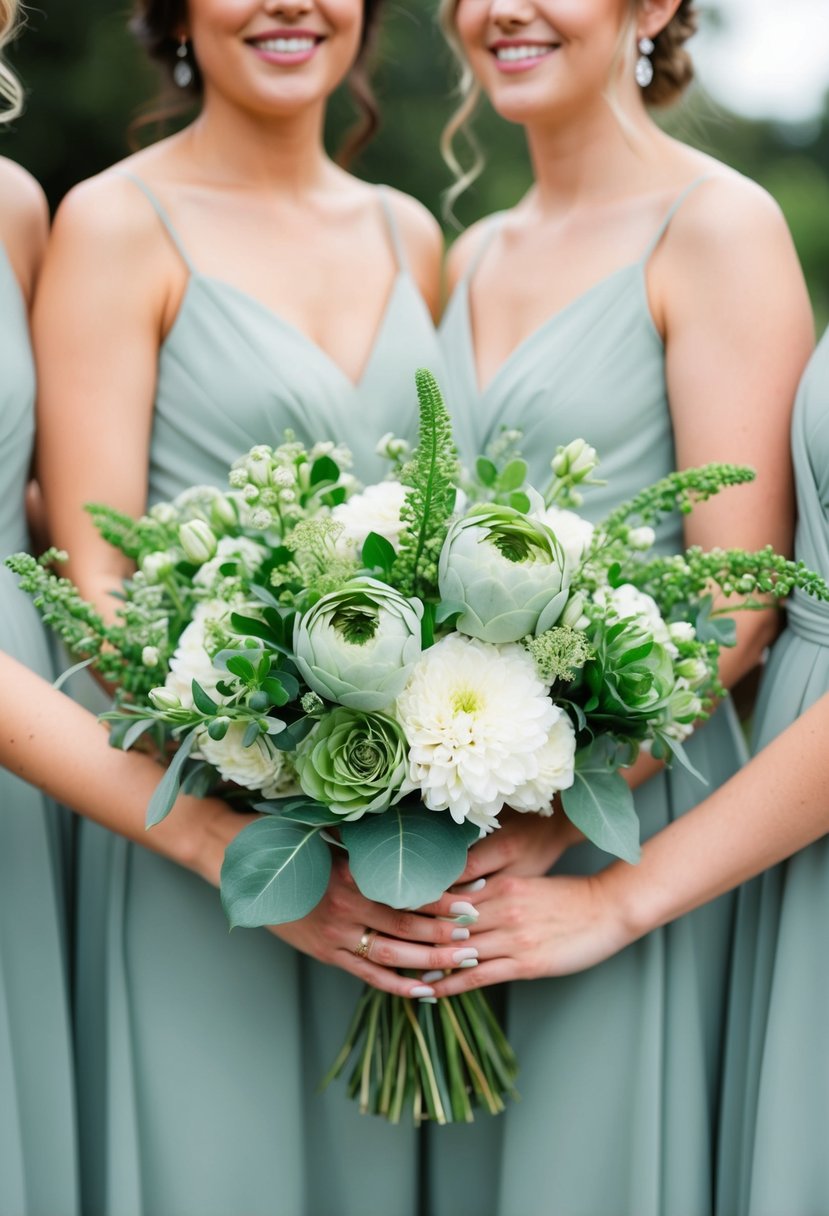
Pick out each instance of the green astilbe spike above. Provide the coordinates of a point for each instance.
(676, 492)
(432, 477)
(132, 537)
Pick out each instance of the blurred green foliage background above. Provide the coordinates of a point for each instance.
(87, 81)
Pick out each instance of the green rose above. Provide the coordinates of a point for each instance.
(353, 762)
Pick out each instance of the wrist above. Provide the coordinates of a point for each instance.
(204, 829)
(626, 900)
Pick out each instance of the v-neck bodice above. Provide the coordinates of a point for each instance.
(595, 369)
(233, 373)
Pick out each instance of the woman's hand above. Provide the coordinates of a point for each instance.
(525, 845)
(533, 927)
(391, 939)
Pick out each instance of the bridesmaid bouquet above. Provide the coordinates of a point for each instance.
(382, 670)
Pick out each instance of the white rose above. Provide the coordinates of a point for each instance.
(377, 509)
(682, 631)
(191, 661)
(574, 534)
(641, 538)
(258, 767)
(239, 549)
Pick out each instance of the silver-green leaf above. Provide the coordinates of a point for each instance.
(274, 872)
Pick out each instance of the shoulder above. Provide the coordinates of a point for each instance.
(463, 250)
(419, 229)
(24, 222)
(108, 210)
(423, 241)
(729, 214)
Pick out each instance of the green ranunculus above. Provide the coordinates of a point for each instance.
(508, 571)
(357, 645)
(353, 762)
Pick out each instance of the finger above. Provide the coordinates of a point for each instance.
(490, 855)
(388, 952)
(461, 910)
(496, 971)
(383, 978)
(410, 926)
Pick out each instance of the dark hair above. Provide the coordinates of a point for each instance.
(673, 69)
(154, 24)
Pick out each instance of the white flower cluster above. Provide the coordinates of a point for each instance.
(482, 731)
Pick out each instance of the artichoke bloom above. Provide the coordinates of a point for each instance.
(509, 572)
(353, 762)
(357, 645)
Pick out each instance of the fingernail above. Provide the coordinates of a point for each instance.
(468, 962)
(462, 956)
(462, 908)
(429, 977)
(428, 1000)
(422, 990)
(471, 887)
(460, 935)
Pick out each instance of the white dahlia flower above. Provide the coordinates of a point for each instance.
(478, 722)
(377, 509)
(258, 767)
(556, 769)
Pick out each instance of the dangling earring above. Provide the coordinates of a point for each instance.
(644, 68)
(182, 72)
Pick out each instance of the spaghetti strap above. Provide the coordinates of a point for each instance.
(491, 229)
(671, 212)
(162, 215)
(393, 228)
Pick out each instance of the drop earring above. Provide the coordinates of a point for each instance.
(182, 72)
(644, 67)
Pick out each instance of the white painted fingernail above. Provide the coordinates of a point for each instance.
(471, 887)
(468, 962)
(429, 977)
(428, 1000)
(460, 935)
(422, 990)
(461, 956)
(462, 908)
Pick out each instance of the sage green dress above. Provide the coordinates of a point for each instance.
(38, 1144)
(620, 1064)
(200, 1051)
(774, 1159)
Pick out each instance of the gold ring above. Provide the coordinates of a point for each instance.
(362, 950)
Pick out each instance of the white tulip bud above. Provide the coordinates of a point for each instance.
(163, 699)
(198, 541)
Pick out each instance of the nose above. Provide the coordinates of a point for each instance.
(288, 8)
(511, 14)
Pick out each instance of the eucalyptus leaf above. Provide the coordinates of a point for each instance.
(134, 732)
(486, 470)
(600, 803)
(710, 628)
(289, 739)
(203, 703)
(378, 552)
(406, 857)
(251, 734)
(167, 789)
(274, 872)
(71, 671)
(300, 810)
(199, 781)
(324, 469)
(249, 627)
(513, 476)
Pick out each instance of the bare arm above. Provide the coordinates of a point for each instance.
(775, 806)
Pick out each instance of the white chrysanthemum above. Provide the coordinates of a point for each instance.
(377, 509)
(258, 767)
(239, 549)
(556, 769)
(477, 719)
(573, 533)
(191, 660)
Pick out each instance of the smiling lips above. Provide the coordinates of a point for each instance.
(287, 48)
(513, 56)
